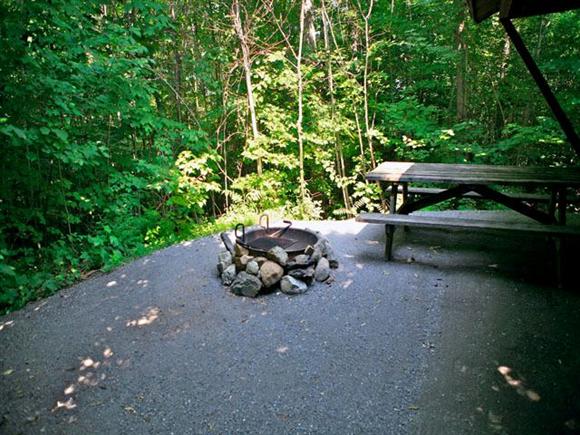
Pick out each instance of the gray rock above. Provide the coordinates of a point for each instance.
(246, 285)
(300, 261)
(242, 262)
(252, 267)
(306, 275)
(278, 254)
(322, 271)
(292, 286)
(317, 254)
(224, 260)
(309, 250)
(331, 256)
(229, 274)
(240, 250)
(260, 260)
(271, 273)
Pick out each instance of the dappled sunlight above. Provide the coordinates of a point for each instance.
(147, 319)
(65, 405)
(6, 325)
(40, 305)
(112, 283)
(187, 243)
(282, 349)
(143, 282)
(347, 283)
(88, 376)
(89, 363)
(518, 384)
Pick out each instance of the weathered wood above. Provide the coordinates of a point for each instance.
(514, 204)
(393, 199)
(401, 172)
(555, 232)
(543, 85)
(523, 196)
(562, 203)
(446, 221)
(426, 201)
(390, 233)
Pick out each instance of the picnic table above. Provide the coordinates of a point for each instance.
(485, 182)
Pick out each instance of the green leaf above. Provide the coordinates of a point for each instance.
(61, 134)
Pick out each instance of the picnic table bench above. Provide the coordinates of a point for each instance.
(477, 181)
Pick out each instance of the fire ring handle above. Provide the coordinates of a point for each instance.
(243, 238)
(267, 221)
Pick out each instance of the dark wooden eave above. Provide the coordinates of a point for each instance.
(508, 9)
(482, 9)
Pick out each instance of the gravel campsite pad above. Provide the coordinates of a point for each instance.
(462, 340)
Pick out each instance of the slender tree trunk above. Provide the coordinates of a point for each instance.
(461, 98)
(242, 36)
(360, 144)
(300, 102)
(340, 166)
(366, 18)
(309, 24)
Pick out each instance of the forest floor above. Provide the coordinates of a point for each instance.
(462, 333)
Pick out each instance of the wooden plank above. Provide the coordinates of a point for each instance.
(455, 222)
(533, 197)
(398, 172)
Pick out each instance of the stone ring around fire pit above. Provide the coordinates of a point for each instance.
(271, 257)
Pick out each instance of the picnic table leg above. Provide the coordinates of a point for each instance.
(390, 233)
(562, 203)
(405, 199)
(390, 229)
(393, 199)
(553, 202)
(557, 241)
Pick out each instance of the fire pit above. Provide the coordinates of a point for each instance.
(270, 257)
(260, 240)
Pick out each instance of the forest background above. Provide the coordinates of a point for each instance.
(128, 126)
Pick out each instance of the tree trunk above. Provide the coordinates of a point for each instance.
(368, 131)
(340, 166)
(247, 64)
(300, 102)
(461, 98)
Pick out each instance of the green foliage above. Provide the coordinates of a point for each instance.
(125, 127)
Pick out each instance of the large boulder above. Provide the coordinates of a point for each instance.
(292, 286)
(246, 285)
(278, 254)
(271, 273)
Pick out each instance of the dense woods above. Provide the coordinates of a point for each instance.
(127, 126)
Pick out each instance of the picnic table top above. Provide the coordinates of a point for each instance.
(396, 172)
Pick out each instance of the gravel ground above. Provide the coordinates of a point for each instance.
(452, 337)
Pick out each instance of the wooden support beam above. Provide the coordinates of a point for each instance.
(514, 204)
(426, 201)
(542, 84)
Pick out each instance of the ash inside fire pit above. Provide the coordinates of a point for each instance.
(265, 259)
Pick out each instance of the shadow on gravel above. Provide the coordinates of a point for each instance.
(460, 335)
